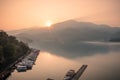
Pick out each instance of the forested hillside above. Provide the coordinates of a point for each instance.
(10, 49)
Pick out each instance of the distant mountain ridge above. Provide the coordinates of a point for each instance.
(70, 30)
(69, 37)
(115, 37)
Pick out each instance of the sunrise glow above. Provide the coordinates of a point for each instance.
(48, 24)
(20, 14)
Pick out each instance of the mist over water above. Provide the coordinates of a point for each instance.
(69, 45)
(102, 60)
(69, 33)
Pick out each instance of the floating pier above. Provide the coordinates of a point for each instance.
(79, 72)
(30, 55)
(72, 75)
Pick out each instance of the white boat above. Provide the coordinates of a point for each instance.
(20, 64)
(28, 61)
(69, 75)
(21, 68)
(29, 65)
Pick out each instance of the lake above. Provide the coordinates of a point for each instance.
(103, 60)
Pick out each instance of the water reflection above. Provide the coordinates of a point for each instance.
(102, 60)
(78, 49)
(100, 67)
(47, 66)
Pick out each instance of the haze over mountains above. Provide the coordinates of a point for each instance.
(70, 30)
(68, 36)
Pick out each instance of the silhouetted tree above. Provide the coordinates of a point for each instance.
(1, 54)
(3, 38)
(9, 51)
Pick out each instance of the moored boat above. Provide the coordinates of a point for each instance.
(69, 75)
(28, 61)
(21, 68)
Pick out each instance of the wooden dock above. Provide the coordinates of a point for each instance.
(8, 70)
(79, 72)
(77, 75)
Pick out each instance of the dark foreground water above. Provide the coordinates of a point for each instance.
(103, 60)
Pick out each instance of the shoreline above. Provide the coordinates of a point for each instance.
(8, 70)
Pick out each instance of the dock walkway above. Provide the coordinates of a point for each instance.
(79, 72)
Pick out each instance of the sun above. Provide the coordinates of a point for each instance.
(48, 24)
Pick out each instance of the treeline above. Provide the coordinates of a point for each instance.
(115, 40)
(10, 49)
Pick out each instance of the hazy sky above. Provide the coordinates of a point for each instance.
(16, 14)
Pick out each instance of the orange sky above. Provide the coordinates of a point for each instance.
(17, 14)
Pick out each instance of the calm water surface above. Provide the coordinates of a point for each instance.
(103, 64)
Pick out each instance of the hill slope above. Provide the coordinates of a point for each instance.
(68, 36)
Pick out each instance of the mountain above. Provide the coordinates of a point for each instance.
(69, 31)
(115, 37)
(68, 36)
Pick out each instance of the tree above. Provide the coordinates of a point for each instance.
(3, 38)
(9, 51)
(1, 54)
